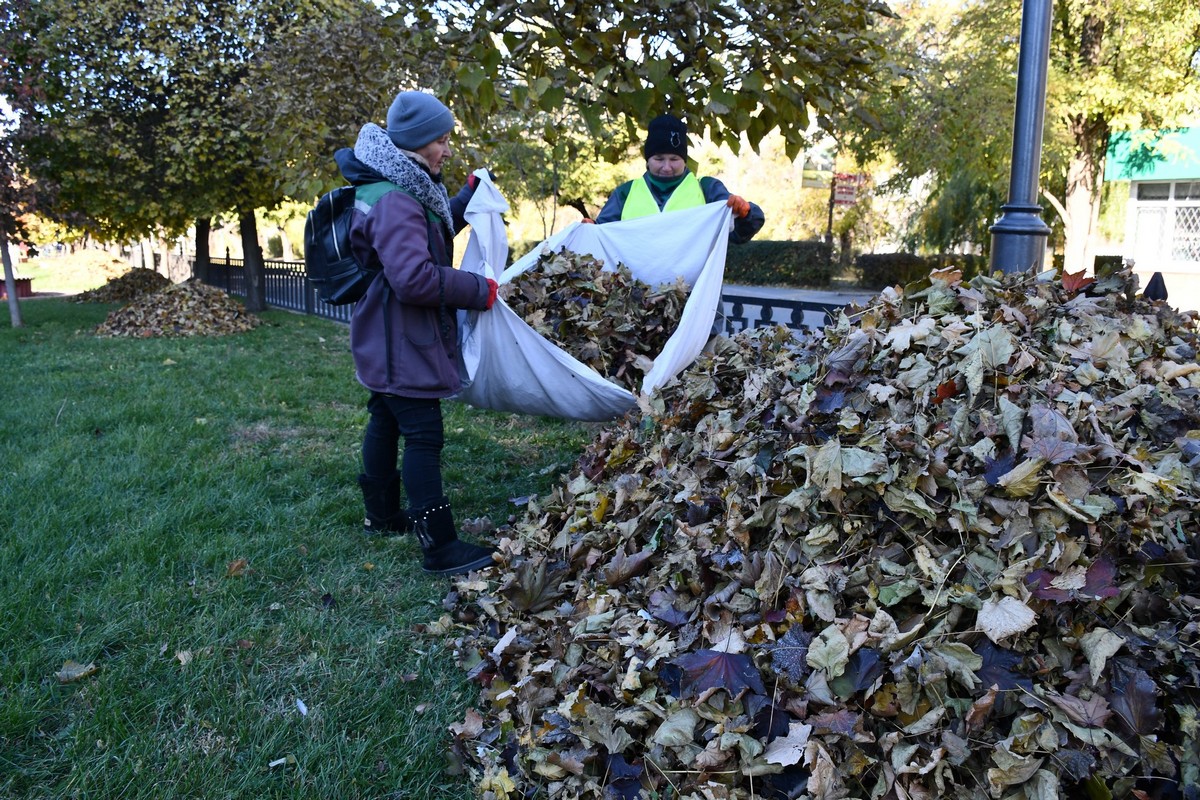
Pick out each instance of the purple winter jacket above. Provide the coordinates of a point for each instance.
(404, 330)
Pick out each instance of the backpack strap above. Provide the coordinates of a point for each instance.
(367, 195)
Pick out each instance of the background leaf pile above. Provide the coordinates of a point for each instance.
(190, 308)
(946, 550)
(124, 288)
(607, 319)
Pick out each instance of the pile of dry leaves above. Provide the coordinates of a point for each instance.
(124, 288)
(947, 550)
(190, 308)
(607, 319)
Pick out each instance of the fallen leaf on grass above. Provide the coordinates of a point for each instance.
(236, 568)
(184, 657)
(469, 728)
(73, 671)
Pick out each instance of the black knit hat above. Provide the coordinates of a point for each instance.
(666, 134)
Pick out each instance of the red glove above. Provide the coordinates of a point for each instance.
(740, 206)
(587, 221)
(473, 180)
(492, 287)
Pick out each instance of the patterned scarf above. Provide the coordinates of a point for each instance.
(376, 149)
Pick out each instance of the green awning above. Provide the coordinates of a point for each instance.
(1154, 156)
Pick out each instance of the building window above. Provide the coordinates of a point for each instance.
(1187, 191)
(1154, 191)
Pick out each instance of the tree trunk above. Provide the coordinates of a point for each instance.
(1082, 200)
(252, 263)
(285, 244)
(200, 263)
(10, 282)
(845, 242)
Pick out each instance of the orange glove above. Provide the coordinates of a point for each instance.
(492, 287)
(740, 206)
(587, 221)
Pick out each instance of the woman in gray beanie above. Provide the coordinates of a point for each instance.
(403, 332)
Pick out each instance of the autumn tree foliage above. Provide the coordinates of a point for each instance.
(947, 119)
(729, 68)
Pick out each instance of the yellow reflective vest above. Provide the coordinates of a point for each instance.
(641, 202)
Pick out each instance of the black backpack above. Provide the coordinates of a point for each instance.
(328, 260)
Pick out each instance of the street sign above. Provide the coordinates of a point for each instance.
(845, 187)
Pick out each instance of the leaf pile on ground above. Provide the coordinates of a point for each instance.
(125, 288)
(190, 308)
(605, 318)
(946, 549)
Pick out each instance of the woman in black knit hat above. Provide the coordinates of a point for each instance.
(669, 185)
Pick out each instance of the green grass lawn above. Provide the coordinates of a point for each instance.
(183, 514)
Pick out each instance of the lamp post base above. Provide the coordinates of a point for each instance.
(1019, 239)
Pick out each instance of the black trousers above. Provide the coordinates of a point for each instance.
(419, 421)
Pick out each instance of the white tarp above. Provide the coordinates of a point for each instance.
(508, 366)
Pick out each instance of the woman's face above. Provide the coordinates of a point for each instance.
(435, 153)
(666, 165)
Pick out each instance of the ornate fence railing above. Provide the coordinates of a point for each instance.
(288, 288)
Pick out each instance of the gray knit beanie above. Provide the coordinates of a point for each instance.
(416, 119)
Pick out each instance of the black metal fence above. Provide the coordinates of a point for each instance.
(287, 287)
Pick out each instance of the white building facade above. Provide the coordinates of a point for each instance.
(1162, 223)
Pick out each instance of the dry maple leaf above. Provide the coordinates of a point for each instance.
(712, 669)
(1075, 282)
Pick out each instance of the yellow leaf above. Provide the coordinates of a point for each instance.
(601, 509)
(499, 783)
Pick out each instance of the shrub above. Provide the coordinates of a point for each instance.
(779, 263)
(888, 269)
(767, 263)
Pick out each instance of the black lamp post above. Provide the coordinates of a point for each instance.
(1019, 236)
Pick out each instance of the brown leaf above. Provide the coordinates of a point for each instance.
(623, 567)
(1091, 713)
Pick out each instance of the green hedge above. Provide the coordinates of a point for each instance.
(778, 263)
(877, 270)
(766, 263)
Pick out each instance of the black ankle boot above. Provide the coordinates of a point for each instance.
(381, 499)
(445, 553)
